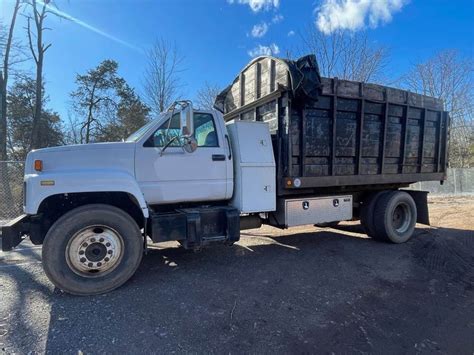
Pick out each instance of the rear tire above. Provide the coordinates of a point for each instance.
(92, 249)
(367, 213)
(395, 217)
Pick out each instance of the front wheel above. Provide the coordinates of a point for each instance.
(92, 249)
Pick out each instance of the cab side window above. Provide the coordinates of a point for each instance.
(167, 131)
(205, 130)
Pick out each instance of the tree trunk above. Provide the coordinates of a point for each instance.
(36, 131)
(39, 17)
(4, 176)
(4, 84)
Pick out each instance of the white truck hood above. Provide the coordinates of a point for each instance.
(115, 156)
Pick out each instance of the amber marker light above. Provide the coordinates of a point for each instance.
(38, 165)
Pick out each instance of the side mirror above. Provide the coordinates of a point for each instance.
(186, 121)
(190, 144)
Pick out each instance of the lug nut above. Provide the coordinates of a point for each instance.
(106, 259)
(92, 240)
(81, 252)
(107, 244)
(90, 264)
(99, 264)
(83, 260)
(84, 245)
(101, 240)
(109, 252)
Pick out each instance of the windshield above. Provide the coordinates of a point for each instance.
(141, 131)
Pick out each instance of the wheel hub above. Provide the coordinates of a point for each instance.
(94, 251)
(401, 218)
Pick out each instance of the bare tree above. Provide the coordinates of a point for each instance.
(6, 44)
(449, 77)
(38, 13)
(346, 55)
(162, 82)
(206, 96)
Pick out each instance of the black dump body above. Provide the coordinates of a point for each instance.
(338, 134)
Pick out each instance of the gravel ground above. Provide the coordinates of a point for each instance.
(303, 290)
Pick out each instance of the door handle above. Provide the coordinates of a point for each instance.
(218, 157)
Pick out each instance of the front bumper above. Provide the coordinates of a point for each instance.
(12, 233)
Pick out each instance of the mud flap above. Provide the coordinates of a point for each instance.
(421, 202)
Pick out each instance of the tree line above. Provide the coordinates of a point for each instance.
(104, 107)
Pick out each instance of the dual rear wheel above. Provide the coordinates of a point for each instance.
(389, 216)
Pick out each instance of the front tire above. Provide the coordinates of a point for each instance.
(92, 249)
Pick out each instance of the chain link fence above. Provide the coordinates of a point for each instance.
(11, 190)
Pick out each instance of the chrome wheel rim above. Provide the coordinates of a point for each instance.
(94, 251)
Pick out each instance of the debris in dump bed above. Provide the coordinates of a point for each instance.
(300, 76)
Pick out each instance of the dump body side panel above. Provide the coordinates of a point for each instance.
(354, 134)
(369, 132)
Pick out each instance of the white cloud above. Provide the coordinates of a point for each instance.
(277, 18)
(352, 15)
(259, 30)
(291, 33)
(272, 49)
(257, 5)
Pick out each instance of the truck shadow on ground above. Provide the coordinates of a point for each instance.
(288, 293)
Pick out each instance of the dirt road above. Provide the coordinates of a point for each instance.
(301, 290)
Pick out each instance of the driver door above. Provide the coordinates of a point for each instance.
(173, 175)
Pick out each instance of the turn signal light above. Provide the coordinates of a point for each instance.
(38, 165)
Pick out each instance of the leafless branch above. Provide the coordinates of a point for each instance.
(30, 41)
(162, 81)
(346, 55)
(449, 77)
(206, 96)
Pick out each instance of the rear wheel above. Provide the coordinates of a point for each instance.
(367, 213)
(92, 249)
(395, 217)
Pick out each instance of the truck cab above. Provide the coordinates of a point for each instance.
(167, 173)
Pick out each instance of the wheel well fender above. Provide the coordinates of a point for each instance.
(81, 183)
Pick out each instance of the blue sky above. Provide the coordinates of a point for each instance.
(215, 36)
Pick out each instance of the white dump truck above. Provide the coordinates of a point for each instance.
(284, 147)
